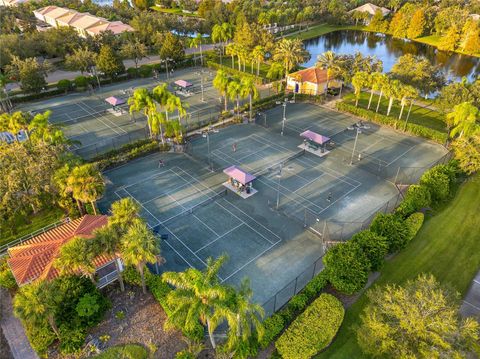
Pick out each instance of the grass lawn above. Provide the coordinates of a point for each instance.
(448, 246)
(318, 30)
(227, 61)
(175, 11)
(434, 40)
(419, 115)
(128, 351)
(42, 219)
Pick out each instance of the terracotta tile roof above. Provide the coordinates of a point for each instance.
(312, 74)
(34, 258)
(84, 21)
(117, 27)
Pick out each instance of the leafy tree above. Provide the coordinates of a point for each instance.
(378, 23)
(417, 25)
(290, 52)
(331, 62)
(467, 153)
(454, 94)
(233, 91)
(418, 320)
(438, 183)
(172, 48)
(401, 21)
(222, 33)
(347, 267)
(471, 37)
(416, 198)
(449, 41)
(463, 120)
(29, 72)
(76, 256)
(393, 228)
(221, 82)
(197, 297)
(375, 247)
(109, 62)
(86, 185)
(139, 247)
(143, 100)
(147, 23)
(258, 54)
(134, 49)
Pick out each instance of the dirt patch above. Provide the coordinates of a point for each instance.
(141, 322)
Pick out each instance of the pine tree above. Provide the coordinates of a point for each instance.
(417, 24)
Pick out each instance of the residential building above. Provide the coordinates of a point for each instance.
(34, 258)
(84, 23)
(370, 10)
(311, 81)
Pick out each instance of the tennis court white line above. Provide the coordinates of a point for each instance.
(168, 244)
(153, 175)
(141, 205)
(168, 194)
(250, 261)
(216, 239)
(94, 116)
(402, 155)
(102, 118)
(309, 183)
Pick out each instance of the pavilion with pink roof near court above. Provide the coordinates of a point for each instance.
(240, 181)
(315, 143)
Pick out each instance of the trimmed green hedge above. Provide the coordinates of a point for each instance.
(313, 330)
(412, 128)
(414, 223)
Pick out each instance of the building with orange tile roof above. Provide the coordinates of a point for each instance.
(311, 81)
(84, 23)
(33, 259)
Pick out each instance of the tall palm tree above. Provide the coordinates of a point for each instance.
(142, 100)
(234, 90)
(330, 62)
(107, 240)
(392, 91)
(86, 185)
(359, 81)
(195, 42)
(231, 50)
(139, 247)
(290, 52)
(41, 130)
(383, 83)
(258, 54)
(464, 119)
(76, 256)
(34, 303)
(407, 93)
(248, 89)
(124, 212)
(220, 82)
(222, 33)
(376, 80)
(197, 296)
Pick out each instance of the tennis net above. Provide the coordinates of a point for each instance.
(61, 119)
(283, 162)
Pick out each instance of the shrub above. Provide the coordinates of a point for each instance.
(414, 222)
(81, 82)
(145, 71)
(313, 330)
(273, 327)
(347, 267)
(131, 276)
(64, 85)
(437, 181)
(128, 351)
(298, 302)
(416, 198)
(393, 228)
(315, 286)
(72, 338)
(40, 335)
(7, 280)
(132, 72)
(374, 246)
(234, 72)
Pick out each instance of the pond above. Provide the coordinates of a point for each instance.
(389, 49)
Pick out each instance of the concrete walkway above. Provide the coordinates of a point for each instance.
(471, 303)
(13, 330)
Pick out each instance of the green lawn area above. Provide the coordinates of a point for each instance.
(175, 11)
(419, 115)
(42, 219)
(448, 246)
(128, 351)
(434, 40)
(227, 61)
(318, 30)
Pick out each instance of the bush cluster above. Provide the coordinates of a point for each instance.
(313, 330)
(7, 280)
(234, 72)
(412, 128)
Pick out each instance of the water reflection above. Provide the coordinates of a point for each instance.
(389, 49)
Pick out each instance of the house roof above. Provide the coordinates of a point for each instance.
(117, 27)
(371, 9)
(312, 74)
(34, 258)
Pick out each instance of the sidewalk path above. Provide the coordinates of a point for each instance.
(13, 330)
(471, 303)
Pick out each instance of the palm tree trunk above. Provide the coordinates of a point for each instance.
(94, 208)
(142, 275)
(378, 103)
(408, 116)
(238, 106)
(401, 110)
(251, 67)
(226, 103)
(390, 104)
(370, 100)
(119, 275)
(233, 61)
(51, 321)
(79, 205)
(250, 100)
(239, 64)
(210, 334)
(258, 68)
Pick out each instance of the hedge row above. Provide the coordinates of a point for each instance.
(234, 72)
(313, 330)
(412, 128)
(128, 152)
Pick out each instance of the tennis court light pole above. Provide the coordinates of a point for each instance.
(284, 118)
(279, 176)
(355, 144)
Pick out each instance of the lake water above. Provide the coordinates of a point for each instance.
(389, 49)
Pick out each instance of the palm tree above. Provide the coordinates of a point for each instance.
(258, 54)
(382, 84)
(139, 247)
(359, 81)
(331, 62)
(231, 50)
(220, 82)
(234, 90)
(124, 212)
(15, 123)
(376, 80)
(196, 297)
(464, 120)
(291, 53)
(392, 90)
(248, 88)
(34, 303)
(222, 33)
(407, 93)
(142, 100)
(86, 185)
(107, 240)
(40, 129)
(76, 256)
